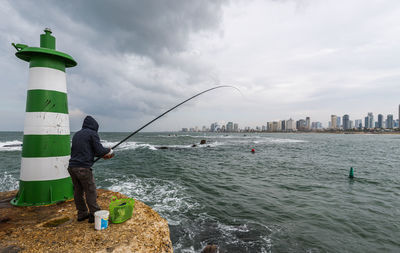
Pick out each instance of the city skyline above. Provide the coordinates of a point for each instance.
(344, 122)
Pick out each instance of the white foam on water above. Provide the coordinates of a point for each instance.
(240, 228)
(273, 140)
(268, 244)
(287, 141)
(207, 145)
(14, 145)
(165, 136)
(8, 182)
(230, 235)
(130, 145)
(137, 145)
(176, 136)
(179, 136)
(165, 197)
(189, 250)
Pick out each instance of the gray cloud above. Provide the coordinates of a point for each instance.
(133, 57)
(147, 28)
(138, 58)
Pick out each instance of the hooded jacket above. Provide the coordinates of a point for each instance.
(86, 145)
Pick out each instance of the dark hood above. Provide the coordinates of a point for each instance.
(90, 123)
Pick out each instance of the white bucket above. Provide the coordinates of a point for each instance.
(101, 219)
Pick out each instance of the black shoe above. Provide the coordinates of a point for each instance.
(83, 217)
(91, 218)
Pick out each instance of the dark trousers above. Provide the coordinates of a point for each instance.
(84, 185)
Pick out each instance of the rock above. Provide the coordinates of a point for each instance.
(55, 228)
(210, 249)
(4, 219)
(202, 142)
(12, 145)
(10, 249)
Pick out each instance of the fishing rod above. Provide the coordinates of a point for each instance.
(198, 94)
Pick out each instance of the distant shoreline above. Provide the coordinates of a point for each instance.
(252, 132)
(303, 132)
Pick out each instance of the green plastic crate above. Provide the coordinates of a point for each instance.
(121, 209)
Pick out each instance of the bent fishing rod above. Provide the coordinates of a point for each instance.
(198, 94)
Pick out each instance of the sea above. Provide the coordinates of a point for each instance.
(293, 194)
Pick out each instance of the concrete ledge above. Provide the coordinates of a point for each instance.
(54, 228)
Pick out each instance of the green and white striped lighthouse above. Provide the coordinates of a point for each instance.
(46, 149)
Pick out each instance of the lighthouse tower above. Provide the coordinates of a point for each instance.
(46, 149)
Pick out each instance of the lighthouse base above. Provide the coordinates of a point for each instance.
(39, 193)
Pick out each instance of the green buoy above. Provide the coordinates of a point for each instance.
(351, 174)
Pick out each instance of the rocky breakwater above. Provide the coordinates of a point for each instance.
(54, 228)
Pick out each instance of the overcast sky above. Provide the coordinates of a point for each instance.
(136, 59)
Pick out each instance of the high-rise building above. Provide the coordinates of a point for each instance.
(358, 123)
(316, 125)
(334, 122)
(380, 121)
(275, 126)
(301, 125)
(399, 114)
(236, 127)
(308, 123)
(229, 127)
(371, 120)
(283, 125)
(338, 123)
(214, 127)
(290, 125)
(269, 126)
(389, 121)
(346, 122)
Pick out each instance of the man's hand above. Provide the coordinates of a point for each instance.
(109, 155)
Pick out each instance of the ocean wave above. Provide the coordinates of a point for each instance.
(14, 145)
(8, 182)
(273, 140)
(165, 197)
(180, 136)
(136, 145)
(229, 236)
(128, 145)
(207, 145)
(288, 141)
(198, 136)
(174, 136)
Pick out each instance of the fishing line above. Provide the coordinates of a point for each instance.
(198, 94)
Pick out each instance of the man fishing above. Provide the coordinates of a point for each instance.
(85, 146)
